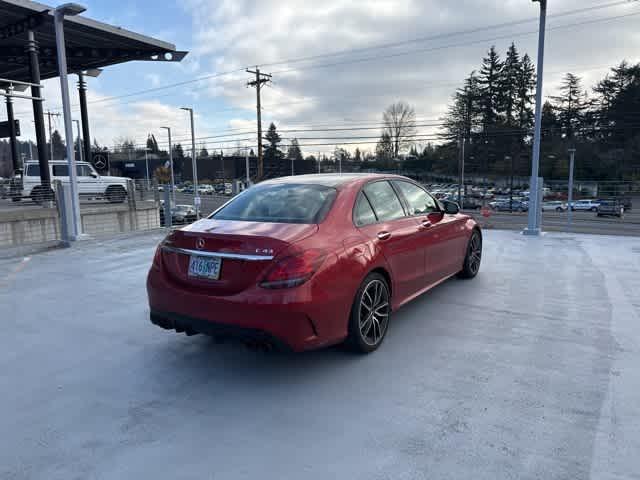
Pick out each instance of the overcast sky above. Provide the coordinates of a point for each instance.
(431, 58)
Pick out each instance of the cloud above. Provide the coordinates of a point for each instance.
(229, 34)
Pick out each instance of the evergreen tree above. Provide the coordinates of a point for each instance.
(525, 93)
(570, 105)
(384, 148)
(59, 149)
(490, 80)
(357, 156)
(272, 152)
(294, 153)
(204, 153)
(464, 113)
(509, 84)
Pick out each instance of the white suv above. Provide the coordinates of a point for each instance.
(90, 184)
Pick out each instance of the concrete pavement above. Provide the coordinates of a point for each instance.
(528, 371)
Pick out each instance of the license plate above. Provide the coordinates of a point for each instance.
(205, 267)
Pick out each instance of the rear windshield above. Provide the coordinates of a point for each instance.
(280, 203)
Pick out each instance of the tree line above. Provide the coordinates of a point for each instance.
(492, 117)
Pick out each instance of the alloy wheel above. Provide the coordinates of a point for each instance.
(374, 312)
(475, 253)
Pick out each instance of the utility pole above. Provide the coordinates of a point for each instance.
(257, 83)
(319, 162)
(49, 115)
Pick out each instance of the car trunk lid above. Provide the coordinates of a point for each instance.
(246, 250)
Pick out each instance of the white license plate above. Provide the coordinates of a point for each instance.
(205, 267)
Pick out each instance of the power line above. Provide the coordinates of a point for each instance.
(444, 35)
(453, 45)
(449, 34)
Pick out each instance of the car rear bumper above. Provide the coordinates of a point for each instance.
(287, 319)
(192, 326)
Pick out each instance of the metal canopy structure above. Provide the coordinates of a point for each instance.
(89, 43)
(29, 53)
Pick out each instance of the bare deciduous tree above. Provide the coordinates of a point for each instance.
(399, 120)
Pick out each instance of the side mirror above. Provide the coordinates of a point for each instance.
(450, 207)
(94, 174)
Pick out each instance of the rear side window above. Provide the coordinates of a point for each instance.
(60, 170)
(363, 213)
(419, 201)
(33, 170)
(280, 203)
(384, 201)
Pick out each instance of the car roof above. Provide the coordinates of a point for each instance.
(35, 162)
(332, 179)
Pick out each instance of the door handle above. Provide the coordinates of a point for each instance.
(384, 235)
(425, 223)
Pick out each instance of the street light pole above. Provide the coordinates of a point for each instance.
(572, 153)
(533, 227)
(194, 164)
(173, 182)
(78, 146)
(68, 9)
(146, 162)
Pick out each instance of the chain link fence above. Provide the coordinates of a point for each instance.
(114, 205)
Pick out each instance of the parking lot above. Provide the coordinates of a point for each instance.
(528, 371)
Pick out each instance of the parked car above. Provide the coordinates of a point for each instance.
(554, 206)
(612, 207)
(585, 205)
(308, 261)
(508, 206)
(180, 214)
(90, 183)
(626, 203)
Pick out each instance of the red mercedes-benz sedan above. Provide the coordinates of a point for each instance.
(309, 261)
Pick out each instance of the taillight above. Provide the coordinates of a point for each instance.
(294, 270)
(157, 257)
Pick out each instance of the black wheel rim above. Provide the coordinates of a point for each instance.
(374, 312)
(475, 253)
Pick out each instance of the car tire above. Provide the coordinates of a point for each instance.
(373, 295)
(473, 257)
(41, 194)
(115, 194)
(594, 209)
(559, 209)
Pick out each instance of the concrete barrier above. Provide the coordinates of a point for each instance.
(27, 226)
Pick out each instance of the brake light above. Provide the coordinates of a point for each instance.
(157, 257)
(294, 270)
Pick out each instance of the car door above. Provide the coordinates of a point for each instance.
(424, 208)
(442, 235)
(88, 180)
(396, 235)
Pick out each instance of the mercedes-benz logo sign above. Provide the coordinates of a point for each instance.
(200, 243)
(100, 162)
